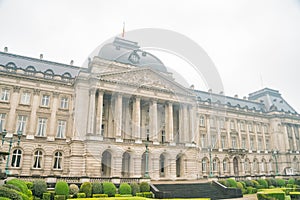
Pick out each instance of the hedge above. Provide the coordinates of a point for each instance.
(4, 198)
(263, 182)
(231, 183)
(97, 188)
(139, 194)
(99, 195)
(148, 194)
(81, 195)
(86, 188)
(62, 188)
(9, 193)
(46, 196)
(109, 189)
(295, 195)
(135, 188)
(271, 193)
(59, 197)
(144, 187)
(280, 182)
(125, 189)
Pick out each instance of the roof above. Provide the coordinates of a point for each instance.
(38, 64)
(128, 52)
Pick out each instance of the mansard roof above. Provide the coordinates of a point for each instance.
(38, 65)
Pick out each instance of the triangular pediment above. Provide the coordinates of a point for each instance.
(146, 78)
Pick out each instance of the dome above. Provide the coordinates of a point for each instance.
(128, 52)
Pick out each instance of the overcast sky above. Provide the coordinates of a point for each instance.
(254, 44)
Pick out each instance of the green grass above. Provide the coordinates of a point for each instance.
(133, 198)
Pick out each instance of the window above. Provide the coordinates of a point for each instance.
(212, 122)
(252, 143)
(64, 103)
(41, 129)
(247, 165)
(25, 98)
(48, 74)
(4, 95)
(232, 125)
(233, 142)
(260, 146)
(66, 76)
(265, 129)
(242, 126)
(243, 143)
(37, 159)
(61, 129)
(225, 165)
(30, 70)
(222, 123)
(250, 128)
(267, 144)
(45, 100)
(204, 165)
(21, 126)
(163, 136)
(203, 141)
(2, 121)
(223, 142)
(258, 128)
(215, 165)
(16, 158)
(202, 121)
(57, 160)
(213, 141)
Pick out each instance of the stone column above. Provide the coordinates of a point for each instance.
(153, 118)
(294, 138)
(169, 123)
(33, 117)
(192, 125)
(53, 115)
(99, 113)
(286, 137)
(14, 100)
(91, 114)
(137, 119)
(118, 118)
(185, 124)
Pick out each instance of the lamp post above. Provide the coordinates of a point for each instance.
(147, 157)
(9, 140)
(275, 154)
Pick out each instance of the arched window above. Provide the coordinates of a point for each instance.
(204, 165)
(37, 159)
(215, 165)
(11, 67)
(16, 158)
(57, 160)
(247, 166)
(30, 70)
(66, 76)
(48, 74)
(162, 165)
(225, 165)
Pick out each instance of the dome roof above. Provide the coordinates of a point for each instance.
(128, 52)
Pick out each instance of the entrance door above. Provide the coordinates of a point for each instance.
(236, 166)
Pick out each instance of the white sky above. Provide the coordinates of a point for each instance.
(253, 43)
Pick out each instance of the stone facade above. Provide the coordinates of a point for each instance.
(94, 122)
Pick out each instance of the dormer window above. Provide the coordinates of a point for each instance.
(134, 58)
(49, 74)
(66, 76)
(30, 70)
(11, 67)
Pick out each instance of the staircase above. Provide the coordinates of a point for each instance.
(211, 190)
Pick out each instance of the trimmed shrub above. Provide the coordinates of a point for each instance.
(295, 195)
(249, 183)
(124, 188)
(139, 194)
(59, 197)
(52, 194)
(97, 188)
(109, 189)
(117, 195)
(231, 183)
(9, 193)
(263, 182)
(251, 190)
(291, 181)
(271, 194)
(297, 181)
(24, 196)
(135, 188)
(73, 189)
(46, 196)
(13, 187)
(144, 187)
(62, 188)
(18, 183)
(81, 195)
(4, 198)
(280, 182)
(29, 185)
(255, 183)
(99, 195)
(243, 183)
(148, 194)
(271, 182)
(86, 188)
(39, 187)
(241, 186)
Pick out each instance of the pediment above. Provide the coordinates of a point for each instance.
(146, 78)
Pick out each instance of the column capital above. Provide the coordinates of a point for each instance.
(36, 91)
(16, 88)
(55, 94)
(92, 91)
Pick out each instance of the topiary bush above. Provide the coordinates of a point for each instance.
(139, 194)
(255, 183)
(291, 181)
(280, 182)
(62, 188)
(223, 182)
(73, 189)
(39, 187)
(148, 194)
(86, 188)
(13, 187)
(144, 187)
(97, 188)
(249, 183)
(231, 182)
(135, 188)
(46, 196)
(18, 183)
(29, 185)
(109, 189)
(271, 182)
(263, 182)
(251, 190)
(9, 193)
(124, 188)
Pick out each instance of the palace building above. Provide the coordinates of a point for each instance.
(97, 121)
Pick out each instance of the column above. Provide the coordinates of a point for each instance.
(14, 100)
(33, 117)
(153, 118)
(118, 117)
(91, 115)
(286, 138)
(192, 124)
(99, 113)
(169, 122)
(53, 115)
(294, 138)
(185, 124)
(137, 119)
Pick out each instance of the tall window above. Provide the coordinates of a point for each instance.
(232, 125)
(259, 145)
(222, 123)
(258, 128)
(37, 159)
(265, 129)
(225, 165)
(163, 136)
(223, 142)
(61, 129)
(42, 125)
(202, 121)
(243, 142)
(21, 126)
(64, 103)
(45, 100)
(250, 128)
(203, 141)
(2, 120)
(25, 98)
(16, 158)
(57, 160)
(242, 126)
(204, 165)
(247, 165)
(215, 165)
(267, 144)
(4, 95)
(212, 122)
(213, 141)
(252, 143)
(233, 142)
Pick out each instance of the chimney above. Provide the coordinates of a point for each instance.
(41, 56)
(236, 96)
(221, 93)
(72, 62)
(5, 49)
(210, 90)
(245, 98)
(192, 87)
